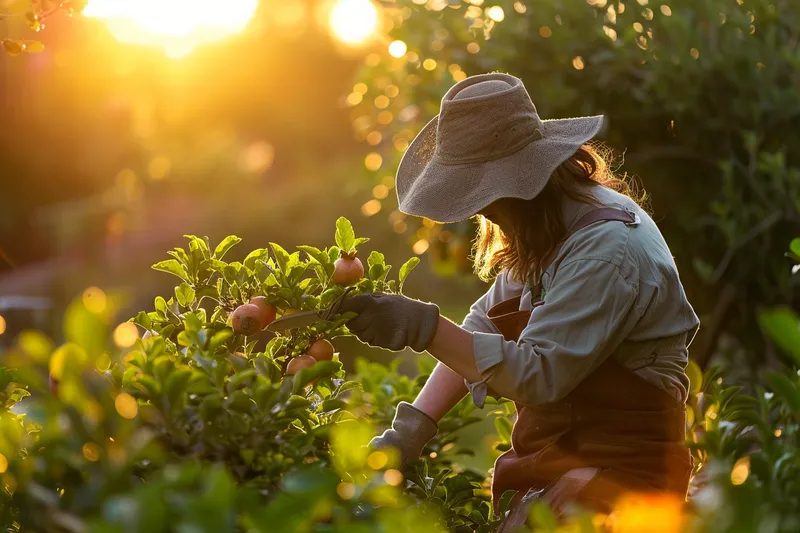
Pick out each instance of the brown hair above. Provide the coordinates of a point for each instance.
(538, 224)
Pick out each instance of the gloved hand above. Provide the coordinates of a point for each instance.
(392, 321)
(411, 430)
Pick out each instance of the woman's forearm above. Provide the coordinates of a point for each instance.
(440, 393)
(453, 346)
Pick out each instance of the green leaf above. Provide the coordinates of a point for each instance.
(171, 266)
(350, 386)
(315, 254)
(783, 327)
(333, 254)
(227, 243)
(241, 378)
(185, 294)
(345, 236)
(376, 258)
(332, 404)
(503, 427)
(143, 320)
(219, 337)
(794, 246)
(148, 385)
(406, 269)
(320, 369)
(261, 254)
(282, 257)
(176, 383)
(784, 387)
(240, 402)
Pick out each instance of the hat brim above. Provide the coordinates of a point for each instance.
(444, 192)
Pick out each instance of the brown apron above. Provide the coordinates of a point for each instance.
(632, 432)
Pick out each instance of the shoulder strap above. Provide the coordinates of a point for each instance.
(600, 214)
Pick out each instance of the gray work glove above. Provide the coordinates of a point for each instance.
(411, 430)
(392, 321)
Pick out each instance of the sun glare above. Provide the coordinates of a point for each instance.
(353, 21)
(176, 26)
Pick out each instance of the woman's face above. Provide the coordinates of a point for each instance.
(498, 213)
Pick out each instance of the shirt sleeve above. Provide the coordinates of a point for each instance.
(476, 320)
(587, 312)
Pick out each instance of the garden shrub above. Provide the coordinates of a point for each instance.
(172, 431)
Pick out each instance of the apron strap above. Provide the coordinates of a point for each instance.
(600, 214)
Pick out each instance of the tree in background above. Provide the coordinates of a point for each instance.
(701, 98)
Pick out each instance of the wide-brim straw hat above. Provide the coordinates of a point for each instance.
(488, 142)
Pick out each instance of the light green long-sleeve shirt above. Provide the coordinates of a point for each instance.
(612, 291)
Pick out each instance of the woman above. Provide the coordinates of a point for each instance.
(585, 327)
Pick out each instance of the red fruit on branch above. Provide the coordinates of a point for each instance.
(347, 270)
(321, 350)
(246, 319)
(268, 310)
(300, 363)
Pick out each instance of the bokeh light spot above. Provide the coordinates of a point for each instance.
(353, 22)
(545, 32)
(519, 7)
(577, 62)
(126, 405)
(420, 247)
(473, 48)
(373, 161)
(429, 64)
(397, 49)
(377, 460)
(380, 191)
(257, 157)
(382, 101)
(740, 471)
(385, 117)
(159, 167)
(3, 463)
(346, 490)
(94, 300)
(2, 325)
(91, 452)
(370, 208)
(496, 13)
(126, 334)
(393, 477)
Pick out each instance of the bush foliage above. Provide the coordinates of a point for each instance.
(158, 425)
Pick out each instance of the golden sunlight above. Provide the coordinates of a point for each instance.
(353, 21)
(175, 26)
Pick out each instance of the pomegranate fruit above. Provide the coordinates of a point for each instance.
(268, 310)
(246, 319)
(299, 363)
(347, 270)
(321, 350)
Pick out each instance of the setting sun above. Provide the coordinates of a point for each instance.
(176, 26)
(353, 21)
